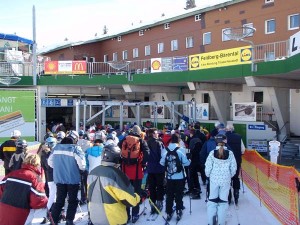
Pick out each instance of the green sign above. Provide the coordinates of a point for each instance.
(17, 112)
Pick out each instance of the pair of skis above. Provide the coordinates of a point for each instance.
(178, 218)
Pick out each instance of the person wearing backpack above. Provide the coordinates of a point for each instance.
(174, 159)
(220, 167)
(18, 157)
(134, 158)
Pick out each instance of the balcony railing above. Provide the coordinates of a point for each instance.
(262, 53)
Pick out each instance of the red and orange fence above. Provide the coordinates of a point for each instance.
(275, 186)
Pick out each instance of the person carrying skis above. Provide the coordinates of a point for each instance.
(174, 159)
(220, 167)
(109, 190)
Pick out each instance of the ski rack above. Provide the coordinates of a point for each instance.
(107, 104)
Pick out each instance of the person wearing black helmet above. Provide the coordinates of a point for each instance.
(109, 190)
(8, 148)
(18, 157)
(67, 161)
(220, 167)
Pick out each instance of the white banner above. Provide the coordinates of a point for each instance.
(244, 111)
(158, 111)
(295, 44)
(202, 111)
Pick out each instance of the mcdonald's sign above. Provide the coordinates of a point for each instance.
(79, 67)
(65, 67)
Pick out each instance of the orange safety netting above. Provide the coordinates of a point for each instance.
(274, 185)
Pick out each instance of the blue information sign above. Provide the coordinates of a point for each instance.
(256, 127)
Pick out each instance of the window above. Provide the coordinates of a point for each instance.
(125, 55)
(174, 45)
(207, 38)
(293, 21)
(258, 97)
(246, 31)
(160, 47)
(92, 59)
(167, 26)
(135, 53)
(224, 36)
(141, 32)
(189, 42)
(119, 38)
(198, 17)
(270, 56)
(147, 50)
(270, 26)
(269, 1)
(105, 58)
(115, 56)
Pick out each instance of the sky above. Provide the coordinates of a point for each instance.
(80, 20)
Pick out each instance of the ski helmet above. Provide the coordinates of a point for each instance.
(48, 134)
(74, 135)
(16, 134)
(21, 143)
(60, 135)
(111, 153)
(51, 142)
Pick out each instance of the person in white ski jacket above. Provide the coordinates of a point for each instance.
(220, 167)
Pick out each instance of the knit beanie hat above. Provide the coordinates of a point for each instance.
(136, 130)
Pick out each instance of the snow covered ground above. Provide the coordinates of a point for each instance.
(250, 212)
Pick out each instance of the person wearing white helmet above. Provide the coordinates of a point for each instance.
(67, 161)
(8, 148)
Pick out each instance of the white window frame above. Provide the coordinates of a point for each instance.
(115, 56)
(224, 37)
(167, 26)
(268, 1)
(248, 25)
(174, 45)
(105, 58)
(147, 50)
(269, 56)
(92, 59)
(125, 55)
(267, 26)
(297, 15)
(135, 53)
(141, 32)
(119, 38)
(189, 42)
(205, 41)
(198, 17)
(160, 48)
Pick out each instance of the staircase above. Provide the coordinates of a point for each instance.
(291, 148)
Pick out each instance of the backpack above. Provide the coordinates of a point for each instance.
(172, 162)
(131, 150)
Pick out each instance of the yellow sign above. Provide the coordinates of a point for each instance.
(227, 57)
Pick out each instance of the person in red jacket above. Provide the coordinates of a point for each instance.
(22, 190)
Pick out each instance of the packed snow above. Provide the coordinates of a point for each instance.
(250, 212)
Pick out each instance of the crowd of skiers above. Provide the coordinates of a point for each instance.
(109, 169)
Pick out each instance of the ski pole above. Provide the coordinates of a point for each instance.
(159, 212)
(236, 208)
(50, 216)
(242, 180)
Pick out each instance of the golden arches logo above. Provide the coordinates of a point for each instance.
(246, 54)
(51, 66)
(78, 66)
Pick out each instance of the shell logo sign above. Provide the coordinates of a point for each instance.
(226, 57)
